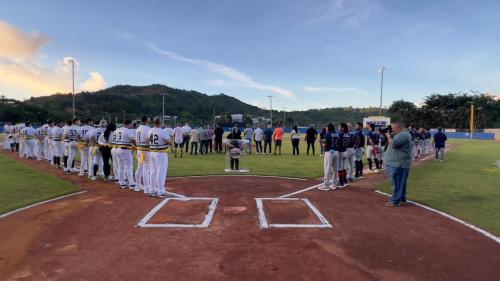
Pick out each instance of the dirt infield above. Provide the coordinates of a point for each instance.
(93, 236)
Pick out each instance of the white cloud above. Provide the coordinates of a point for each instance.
(332, 90)
(217, 82)
(226, 71)
(95, 83)
(21, 72)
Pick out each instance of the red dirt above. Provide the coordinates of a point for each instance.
(93, 237)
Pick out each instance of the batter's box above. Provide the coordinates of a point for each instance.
(292, 212)
(190, 210)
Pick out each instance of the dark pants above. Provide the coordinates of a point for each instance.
(204, 146)
(295, 145)
(106, 157)
(185, 142)
(209, 144)
(258, 146)
(399, 177)
(235, 163)
(310, 144)
(218, 144)
(194, 147)
(266, 144)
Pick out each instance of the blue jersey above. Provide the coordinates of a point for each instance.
(373, 137)
(359, 139)
(342, 142)
(352, 139)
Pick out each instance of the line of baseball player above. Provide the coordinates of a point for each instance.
(103, 149)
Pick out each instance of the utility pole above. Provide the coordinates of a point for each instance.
(381, 70)
(73, 62)
(271, 108)
(471, 120)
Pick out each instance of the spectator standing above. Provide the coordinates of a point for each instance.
(194, 137)
(248, 133)
(258, 134)
(178, 139)
(439, 144)
(210, 135)
(295, 136)
(203, 140)
(218, 132)
(268, 138)
(278, 138)
(398, 162)
(311, 135)
(186, 132)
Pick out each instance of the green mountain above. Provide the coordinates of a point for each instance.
(190, 106)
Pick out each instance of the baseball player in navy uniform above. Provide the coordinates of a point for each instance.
(359, 148)
(373, 149)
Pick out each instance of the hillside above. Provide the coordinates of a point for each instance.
(189, 106)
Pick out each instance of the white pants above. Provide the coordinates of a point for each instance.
(72, 151)
(96, 160)
(84, 159)
(45, 148)
(29, 148)
(6, 142)
(159, 160)
(342, 160)
(51, 153)
(330, 167)
(142, 172)
(126, 168)
(58, 148)
(39, 149)
(370, 154)
(21, 148)
(115, 160)
(351, 167)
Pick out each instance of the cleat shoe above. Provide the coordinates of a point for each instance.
(123, 186)
(323, 188)
(137, 189)
(392, 204)
(153, 194)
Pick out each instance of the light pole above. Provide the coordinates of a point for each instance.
(271, 108)
(73, 62)
(284, 119)
(381, 70)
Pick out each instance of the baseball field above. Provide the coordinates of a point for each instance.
(270, 225)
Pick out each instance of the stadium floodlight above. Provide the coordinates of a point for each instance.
(271, 108)
(381, 71)
(73, 62)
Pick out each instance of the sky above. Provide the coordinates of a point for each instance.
(304, 53)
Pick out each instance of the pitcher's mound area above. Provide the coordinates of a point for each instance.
(238, 228)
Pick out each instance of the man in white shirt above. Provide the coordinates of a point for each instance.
(159, 142)
(125, 140)
(186, 131)
(142, 173)
(178, 139)
(248, 133)
(194, 137)
(258, 134)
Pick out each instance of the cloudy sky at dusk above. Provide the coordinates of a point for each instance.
(307, 53)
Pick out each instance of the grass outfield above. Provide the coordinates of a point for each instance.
(21, 185)
(466, 185)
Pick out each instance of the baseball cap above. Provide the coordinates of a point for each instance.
(103, 123)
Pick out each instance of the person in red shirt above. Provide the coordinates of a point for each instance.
(278, 138)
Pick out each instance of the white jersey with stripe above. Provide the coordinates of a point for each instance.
(141, 136)
(57, 134)
(158, 139)
(95, 134)
(124, 137)
(29, 132)
(82, 132)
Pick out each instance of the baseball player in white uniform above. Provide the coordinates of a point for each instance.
(45, 142)
(70, 138)
(29, 140)
(125, 141)
(83, 145)
(159, 142)
(20, 140)
(6, 139)
(97, 162)
(39, 139)
(57, 142)
(115, 160)
(142, 173)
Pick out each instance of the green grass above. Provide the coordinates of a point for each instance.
(466, 185)
(286, 165)
(22, 185)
